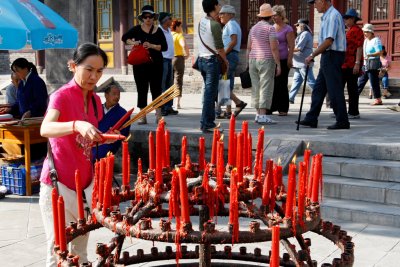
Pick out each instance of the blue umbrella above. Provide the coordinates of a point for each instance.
(32, 24)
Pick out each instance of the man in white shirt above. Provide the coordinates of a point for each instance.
(167, 78)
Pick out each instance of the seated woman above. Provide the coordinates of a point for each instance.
(32, 96)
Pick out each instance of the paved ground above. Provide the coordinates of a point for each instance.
(22, 241)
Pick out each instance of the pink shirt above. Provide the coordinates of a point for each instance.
(72, 151)
(261, 35)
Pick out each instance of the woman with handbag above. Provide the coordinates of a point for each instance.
(372, 50)
(71, 123)
(146, 74)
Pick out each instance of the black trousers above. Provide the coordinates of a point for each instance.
(145, 75)
(280, 99)
(352, 89)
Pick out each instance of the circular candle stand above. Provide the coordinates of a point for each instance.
(146, 205)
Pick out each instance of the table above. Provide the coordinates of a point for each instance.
(24, 135)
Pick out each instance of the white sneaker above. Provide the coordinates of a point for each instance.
(265, 120)
(256, 118)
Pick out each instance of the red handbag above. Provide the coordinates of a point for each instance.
(139, 55)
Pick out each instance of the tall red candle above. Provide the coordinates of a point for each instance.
(167, 148)
(311, 177)
(79, 198)
(152, 162)
(183, 150)
(245, 131)
(239, 157)
(274, 259)
(231, 150)
(61, 224)
(108, 184)
(102, 179)
(307, 154)
(129, 170)
(268, 183)
(302, 192)
(234, 148)
(220, 163)
(291, 190)
(159, 156)
(202, 151)
(184, 195)
(214, 147)
(260, 150)
(249, 153)
(161, 125)
(54, 199)
(234, 207)
(125, 167)
(317, 175)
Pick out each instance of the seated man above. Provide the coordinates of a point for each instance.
(112, 113)
(11, 90)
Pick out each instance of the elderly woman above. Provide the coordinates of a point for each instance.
(303, 47)
(71, 123)
(264, 63)
(285, 37)
(148, 74)
(372, 50)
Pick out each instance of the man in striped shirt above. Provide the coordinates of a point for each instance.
(332, 47)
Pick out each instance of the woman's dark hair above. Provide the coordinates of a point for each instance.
(23, 63)
(384, 52)
(209, 5)
(86, 50)
(175, 23)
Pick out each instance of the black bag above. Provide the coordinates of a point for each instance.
(373, 64)
(195, 64)
(245, 79)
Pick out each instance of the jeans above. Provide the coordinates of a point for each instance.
(351, 80)
(233, 59)
(385, 81)
(329, 80)
(372, 76)
(167, 80)
(298, 78)
(210, 71)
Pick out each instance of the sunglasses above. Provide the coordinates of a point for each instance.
(148, 17)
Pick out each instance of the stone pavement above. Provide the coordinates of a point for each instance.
(22, 240)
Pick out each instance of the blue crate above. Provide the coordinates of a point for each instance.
(14, 179)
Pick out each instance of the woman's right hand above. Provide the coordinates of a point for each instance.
(88, 131)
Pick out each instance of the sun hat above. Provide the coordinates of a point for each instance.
(368, 28)
(228, 9)
(302, 21)
(265, 11)
(351, 13)
(149, 10)
(164, 16)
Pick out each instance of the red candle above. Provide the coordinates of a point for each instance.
(302, 193)
(183, 151)
(140, 170)
(291, 189)
(54, 199)
(231, 150)
(161, 125)
(234, 207)
(307, 153)
(125, 167)
(129, 170)
(184, 195)
(167, 148)
(152, 162)
(245, 131)
(61, 224)
(102, 179)
(234, 149)
(108, 184)
(311, 178)
(260, 150)
(214, 147)
(220, 163)
(274, 259)
(79, 198)
(202, 150)
(316, 178)
(159, 156)
(249, 153)
(239, 158)
(268, 183)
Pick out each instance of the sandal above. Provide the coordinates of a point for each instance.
(239, 108)
(377, 102)
(224, 115)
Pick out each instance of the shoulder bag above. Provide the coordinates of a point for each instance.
(139, 55)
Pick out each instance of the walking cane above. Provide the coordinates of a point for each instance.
(302, 97)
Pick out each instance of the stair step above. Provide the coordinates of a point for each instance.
(365, 190)
(378, 170)
(360, 211)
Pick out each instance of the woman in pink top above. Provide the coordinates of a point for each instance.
(71, 124)
(264, 64)
(383, 74)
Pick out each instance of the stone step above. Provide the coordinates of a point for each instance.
(364, 190)
(377, 170)
(360, 211)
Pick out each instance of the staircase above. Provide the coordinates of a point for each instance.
(358, 189)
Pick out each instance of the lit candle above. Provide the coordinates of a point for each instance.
(220, 163)
(125, 167)
(79, 198)
(214, 147)
(234, 207)
(316, 178)
(161, 125)
(159, 157)
(184, 195)
(307, 153)
(268, 183)
(152, 164)
(245, 131)
(102, 179)
(54, 199)
(202, 151)
(302, 193)
(183, 151)
(274, 260)
(260, 151)
(239, 157)
(231, 150)
(167, 148)
(249, 154)
(61, 224)
(291, 189)
(311, 177)
(278, 174)
(108, 184)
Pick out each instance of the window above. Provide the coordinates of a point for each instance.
(104, 18)
(379, 9)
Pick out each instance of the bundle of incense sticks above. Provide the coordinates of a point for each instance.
(168, 95)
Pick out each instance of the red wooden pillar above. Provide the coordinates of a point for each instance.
(123, 27)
